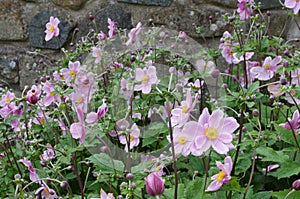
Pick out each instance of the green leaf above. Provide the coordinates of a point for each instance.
(106, 163)
(272, 155)
(282, 194)
(285, 135)
(169, 193)
(253, 87)
(195, 189)
(233, 185)
(10, 118)
(262, 195)
(287, 169)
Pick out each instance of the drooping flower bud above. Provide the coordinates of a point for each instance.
(296, 184)
(155, 185)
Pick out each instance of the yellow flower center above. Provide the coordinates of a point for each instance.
(145, 79)
(52, 94)
(182, 139)
(98, 53)
(79, 100)
(42, 120)
(131, 138)
(299, 73)
(267, 66)
(46, 191)
(211, 133)
(62, 77)
(72, 73)
(7, 100)
(158, 169)
(51, 29)
(184, 109)
(220, 176)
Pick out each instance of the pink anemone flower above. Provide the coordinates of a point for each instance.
(223, 176)
(52, 29)
(133, 33)
(213, 130)
(295, 4)
(268, 69)
(77, 129)
(147, 77)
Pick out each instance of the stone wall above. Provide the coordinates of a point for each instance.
(22, 25)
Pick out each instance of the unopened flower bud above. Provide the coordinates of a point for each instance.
(296, 184)
(255, 113)
(215, 73)
(155, 185)
(91, 17)
(64, 184)
(129, 176)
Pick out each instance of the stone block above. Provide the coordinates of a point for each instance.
(12, 25)
(71, 4)
(222, 3)
(269, 4)
(182, 18)
(9, 76)
(114, 12)
(37, 29)
(149, 2)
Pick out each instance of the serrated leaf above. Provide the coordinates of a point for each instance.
(106, 163)
(169, 193)
(233, 185)
(262, 195)
(252, 87)
(282, 194)
(195, 189)
(285, 134)
(272, 155)
(287, 169)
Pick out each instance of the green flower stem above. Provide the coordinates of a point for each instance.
(251, 174)
(239, 141)
(173, 153)
(289, 193)
(77, 175)
(12, 154)
(293, 131)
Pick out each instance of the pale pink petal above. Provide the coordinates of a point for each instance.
(91, 117)
(216, 119)
(76, 130)
(290, 3)
(203, 119)
(219, 147)
(225, 137)
(214, 186)
(229, 126)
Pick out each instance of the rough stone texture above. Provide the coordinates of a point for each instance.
(9, 75)
(37, 31)
(30, 68)
(279, 18)
(222, 3)
(71, 4)
(12, 25)
(22, 25)
(149, 2)
(293, 30)
(114, 12)
(181, 18)
(269, 4)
